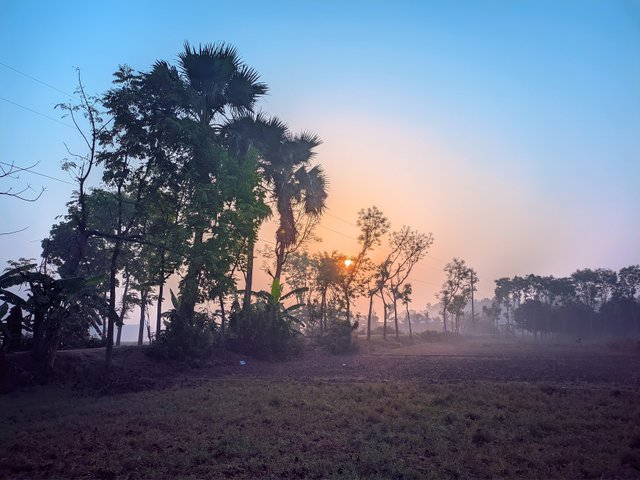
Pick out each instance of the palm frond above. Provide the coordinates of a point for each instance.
(295, 292)
(243, 89)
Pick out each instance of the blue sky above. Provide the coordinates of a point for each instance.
(511, 130)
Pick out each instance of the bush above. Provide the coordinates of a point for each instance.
(263, 331)
(185, 339)
(338, 338)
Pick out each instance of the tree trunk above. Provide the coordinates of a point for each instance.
(123, 310)
(118, 334)
(369, 316)
(105, 321)
(473, 311)
(280, 252)
(409, 321)
(323, 311)
(159, 310)
(71, 267)
(14, 325)
(51, 341)
(444, 318)
(222, 313)
(395, 314)
(348, 308)
(113, 316)
(384, 326)
(160, 295)
(190, 285)
(246, 302)
(38, 334)
(143, 310)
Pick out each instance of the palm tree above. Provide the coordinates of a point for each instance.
(211, 85)
(295, 184)
(289, 178)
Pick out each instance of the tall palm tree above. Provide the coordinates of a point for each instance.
(289, 178)
(295, 183)
(211, 85)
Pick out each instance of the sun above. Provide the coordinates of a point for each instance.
(348, 262)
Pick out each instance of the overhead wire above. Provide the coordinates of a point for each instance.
(37, 113)
(34, 79)
(30, 170)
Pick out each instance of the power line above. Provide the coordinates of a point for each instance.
(34, 79)
(341, 219)
(339, 233)
(423, 281)
(36, 173)
(37, 113)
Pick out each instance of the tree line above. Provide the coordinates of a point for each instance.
(186, 172)
(179, 171)
(600, 302)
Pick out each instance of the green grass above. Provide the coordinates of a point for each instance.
(276, 429)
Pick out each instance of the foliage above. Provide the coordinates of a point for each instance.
(61, 311)
(181, 340)
(11, 278)
(338, 339)
(588, 303)
(267, 329)
(455, 292)
(298, 189)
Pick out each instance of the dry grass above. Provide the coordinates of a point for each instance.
(246, 428)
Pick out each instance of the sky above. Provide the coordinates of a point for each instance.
(509, 130)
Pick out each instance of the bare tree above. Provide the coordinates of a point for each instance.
(408, 248)
(11, 171)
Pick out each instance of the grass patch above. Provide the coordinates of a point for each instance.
(324, 429)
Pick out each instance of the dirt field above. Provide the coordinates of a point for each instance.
(467, 410)
(391, 360)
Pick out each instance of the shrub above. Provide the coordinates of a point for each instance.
(264, 331)
(185, 339)
(338, 338)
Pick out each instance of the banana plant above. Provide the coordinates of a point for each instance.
(274, 301)
(11, 278)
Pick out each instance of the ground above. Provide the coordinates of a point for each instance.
(396, 409)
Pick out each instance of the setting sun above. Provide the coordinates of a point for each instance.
(348, 262)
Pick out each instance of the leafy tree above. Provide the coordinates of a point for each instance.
(533, 315)
(405, 297)
(593, 287)
(268, 329)
(628, 282)
(455, 288)
(176, 117)
(327, 276)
